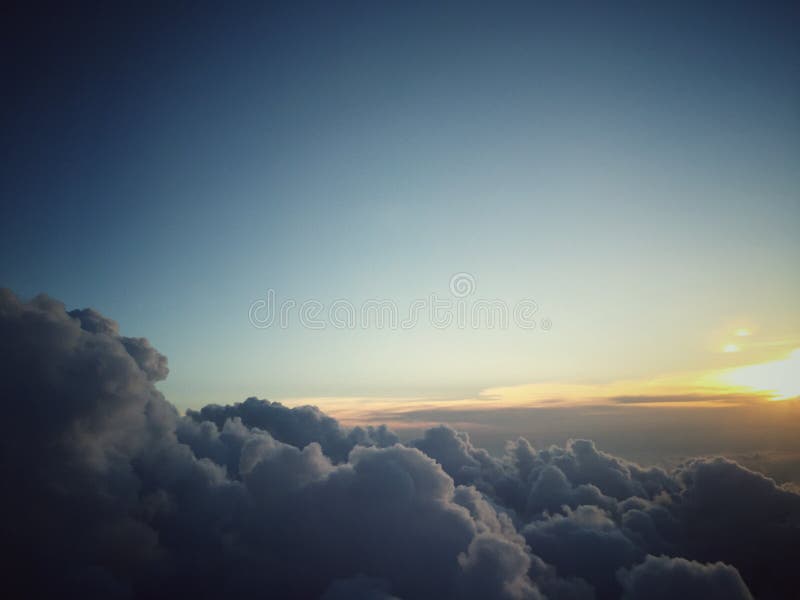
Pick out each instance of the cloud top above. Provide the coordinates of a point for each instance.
(113, 494)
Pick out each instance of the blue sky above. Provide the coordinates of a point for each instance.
(633, 171)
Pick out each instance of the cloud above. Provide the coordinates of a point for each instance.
(359, 588)
(297, 426)
(584, 543)
(666, 578)
(686, 400)
(111, 493)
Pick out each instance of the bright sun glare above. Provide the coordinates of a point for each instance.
(780, 377)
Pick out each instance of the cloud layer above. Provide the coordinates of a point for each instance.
(111, 493)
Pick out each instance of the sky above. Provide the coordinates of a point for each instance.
(388, 300)
(631, 170)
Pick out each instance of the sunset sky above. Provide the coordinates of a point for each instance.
(633, 172)
(399, 300)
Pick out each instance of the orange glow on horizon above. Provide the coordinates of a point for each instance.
(777, 379)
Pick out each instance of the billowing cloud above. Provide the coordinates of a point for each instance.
(111, 493)
(662, 578)
(296, 426)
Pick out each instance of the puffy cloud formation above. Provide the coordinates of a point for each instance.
(662, 578)
(113, 494)
(298, 426)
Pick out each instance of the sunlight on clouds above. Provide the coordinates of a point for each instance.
(780, 378)
(692, 389)
(366, 410)
(776, 377)
(682, 390)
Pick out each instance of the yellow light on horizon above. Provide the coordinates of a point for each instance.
(742, 332)
(780, 377)
(730, 348)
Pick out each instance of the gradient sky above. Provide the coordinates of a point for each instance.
(633, 170)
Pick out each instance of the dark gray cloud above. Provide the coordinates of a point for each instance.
(113, 494)
(584, 543)
(663, 578)
(359, 588)
(296, 426)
